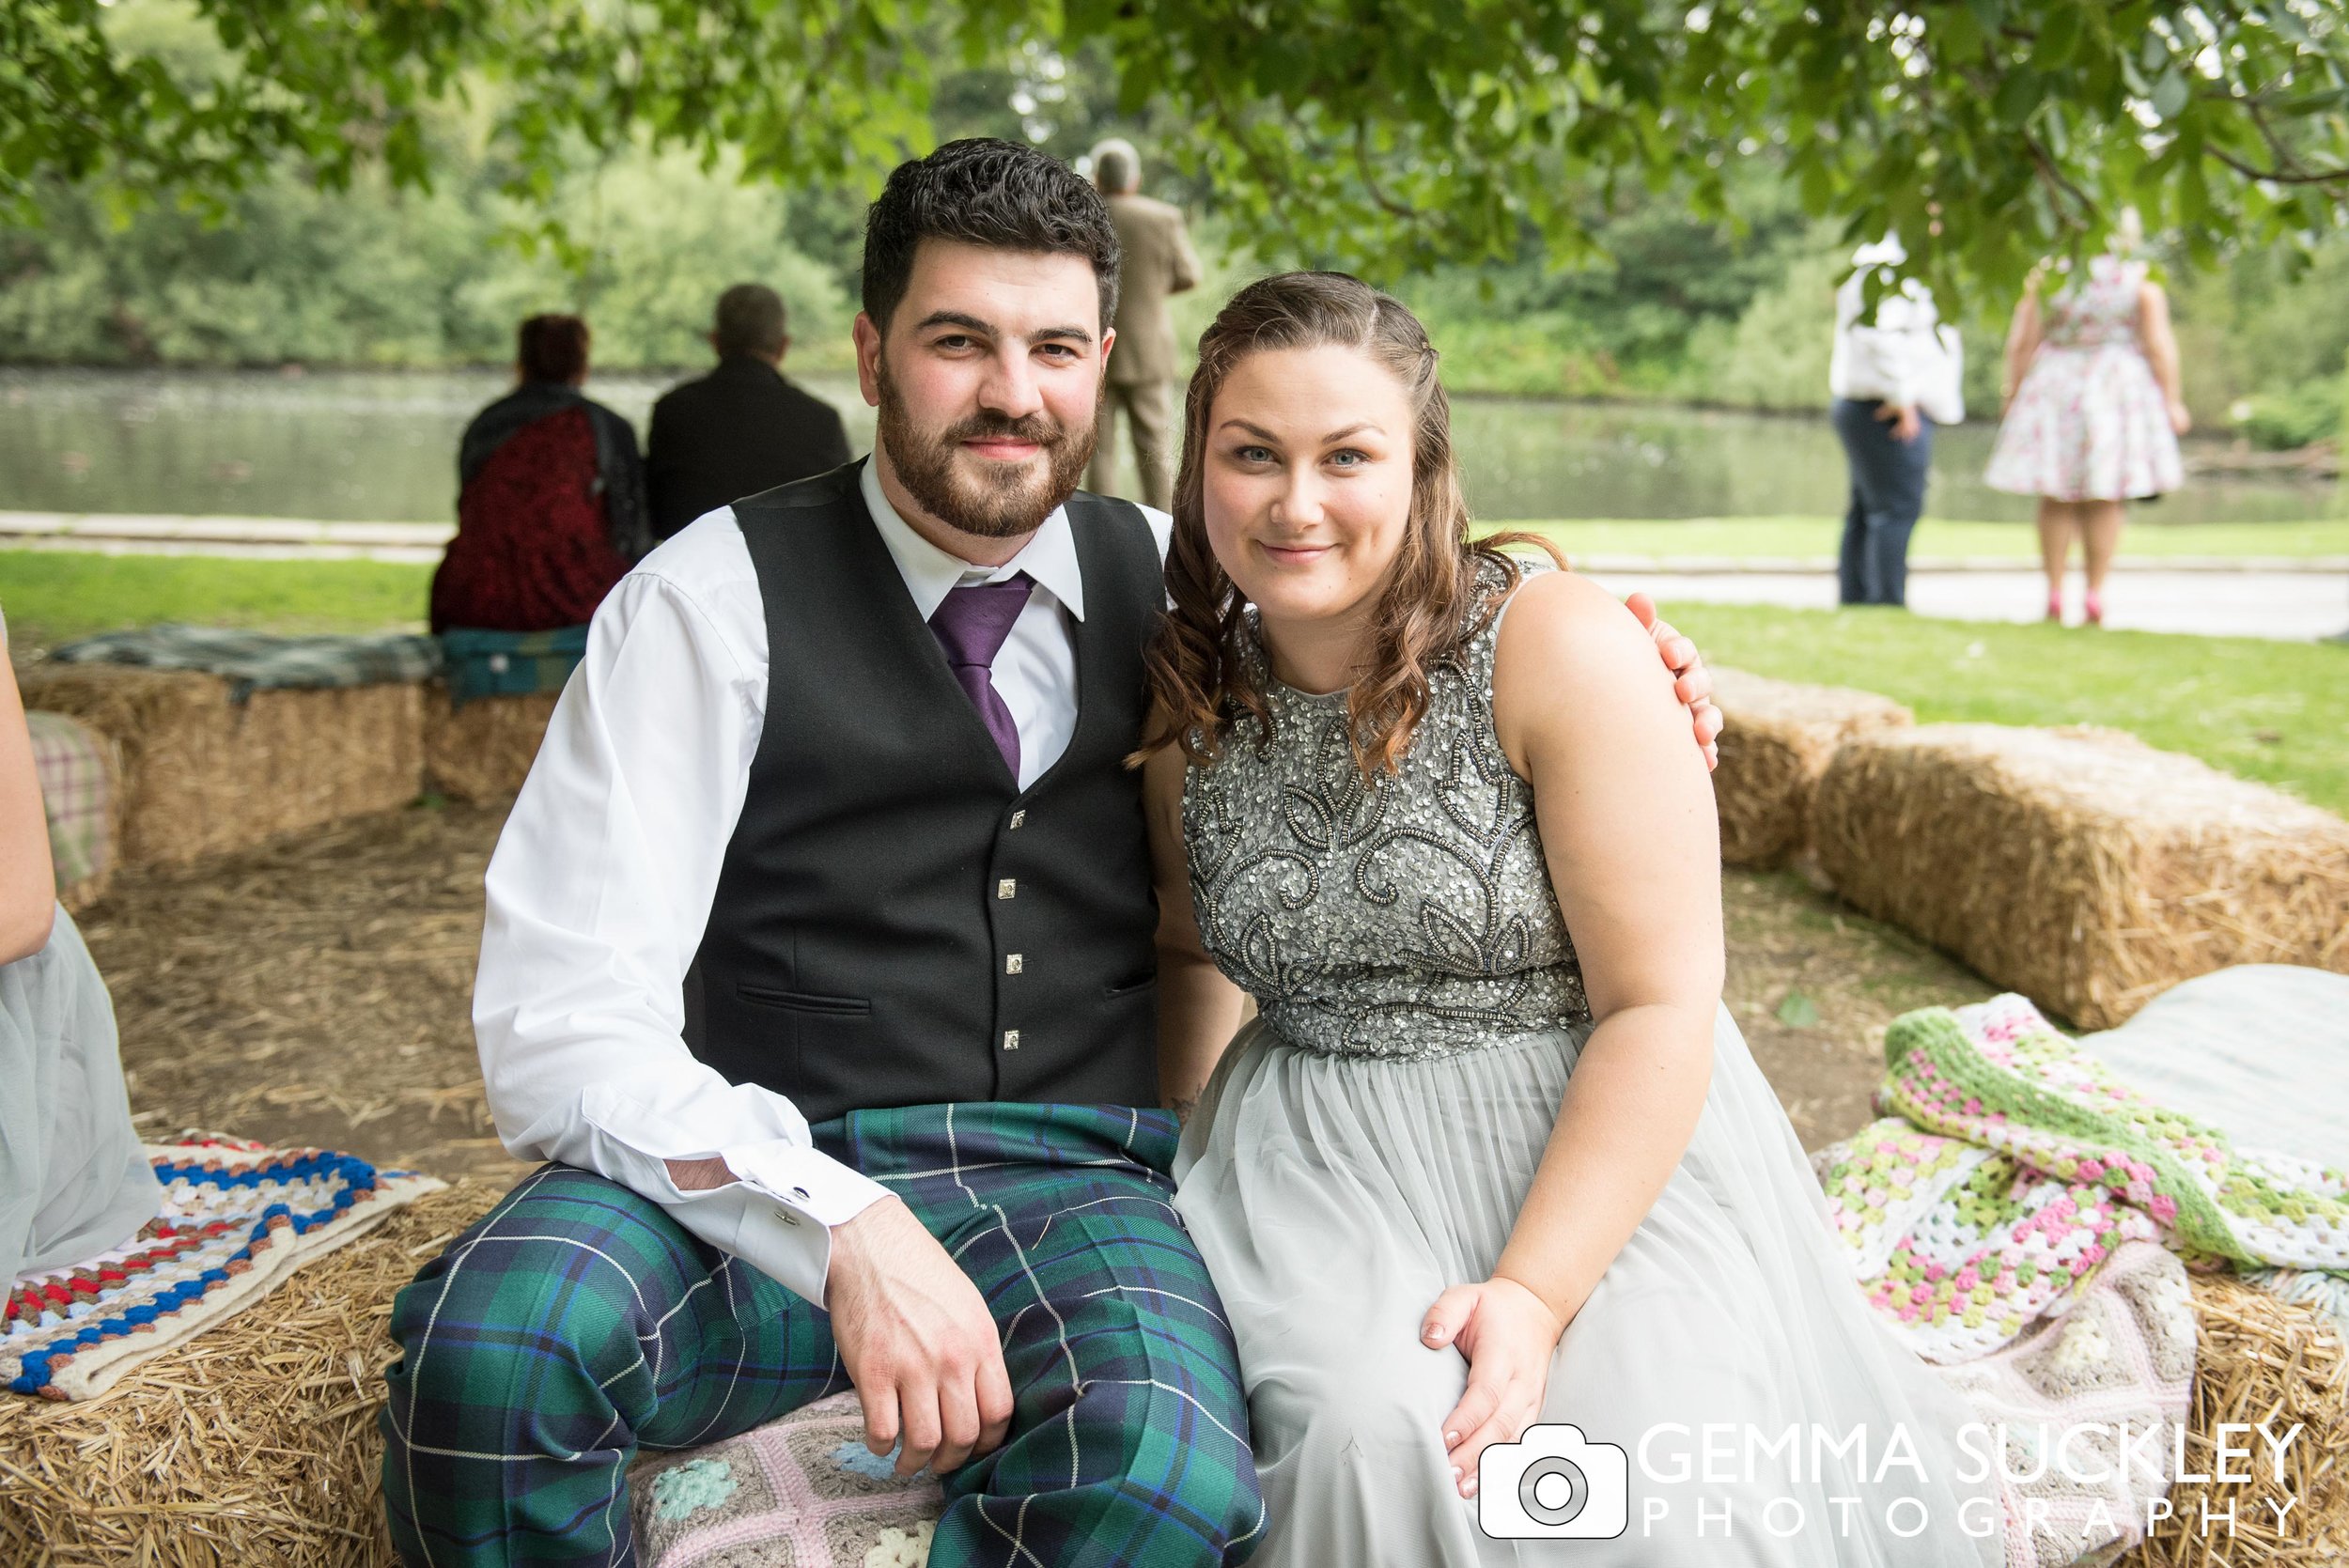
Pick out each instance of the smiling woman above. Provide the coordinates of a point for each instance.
(1492, 1184)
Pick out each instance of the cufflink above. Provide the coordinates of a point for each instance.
(785, 1215)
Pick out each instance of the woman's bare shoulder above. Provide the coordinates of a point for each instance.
(1559, 612)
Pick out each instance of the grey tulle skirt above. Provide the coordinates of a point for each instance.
(73, 1179)
(1335, 1198)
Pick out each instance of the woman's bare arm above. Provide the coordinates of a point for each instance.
(1199, 1010)
(2022, 343)
(2153, 335)
(28, 880)
(1628, 825)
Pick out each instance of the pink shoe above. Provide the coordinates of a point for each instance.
(2093, 606)
(2055, 607)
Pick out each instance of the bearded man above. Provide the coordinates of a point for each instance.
(821, 966)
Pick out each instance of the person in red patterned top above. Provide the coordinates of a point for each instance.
(550, 508)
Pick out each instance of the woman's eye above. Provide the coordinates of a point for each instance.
(1253, 454)
(1350, 458)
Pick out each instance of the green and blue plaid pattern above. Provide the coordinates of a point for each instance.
(510, 663)
(254, 660)
(577, 1320)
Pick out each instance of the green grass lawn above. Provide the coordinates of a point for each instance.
(1818, 536)
(52, 597)
(2273, 711)
(2278, 712)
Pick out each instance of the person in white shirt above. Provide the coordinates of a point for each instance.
(1893, 376)
(820, 964)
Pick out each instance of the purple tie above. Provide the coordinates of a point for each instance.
(971, 625)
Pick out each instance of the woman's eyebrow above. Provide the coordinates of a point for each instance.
(1355, 429)
(1256, 430)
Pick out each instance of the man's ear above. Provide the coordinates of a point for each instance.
(1109, 341)
(868, 347)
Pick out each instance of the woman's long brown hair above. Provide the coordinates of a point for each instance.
(1199, 681)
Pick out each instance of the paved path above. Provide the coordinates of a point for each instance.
(2294, 606)
(2288, 599)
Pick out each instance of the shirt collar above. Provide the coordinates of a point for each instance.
(1049, 557)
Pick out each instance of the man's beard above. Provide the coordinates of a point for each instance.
(1004, 503)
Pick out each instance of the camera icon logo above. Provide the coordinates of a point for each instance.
(1553, 1484)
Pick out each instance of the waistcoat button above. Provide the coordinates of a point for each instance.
(1007, 887)
(1016, 818)
(1011, 1040)
(1014, 962)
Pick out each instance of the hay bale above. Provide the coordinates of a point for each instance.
(252, 1443)
(201, 774)
(482, 751)
(1775, 738)
(2259, 1359)
(2082, 868)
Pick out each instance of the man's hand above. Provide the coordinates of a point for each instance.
(1906, 426)
(917, 1341)
(1691, 681)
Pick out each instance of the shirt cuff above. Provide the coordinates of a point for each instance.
(792, 1196)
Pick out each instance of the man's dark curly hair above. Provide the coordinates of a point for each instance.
(985, 191)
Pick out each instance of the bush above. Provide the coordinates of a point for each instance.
(2282, 421)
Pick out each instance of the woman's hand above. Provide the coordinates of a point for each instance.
(2180, 421)
(1507, 1334)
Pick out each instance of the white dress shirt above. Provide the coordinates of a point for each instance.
(1903, 356)
(603, 882)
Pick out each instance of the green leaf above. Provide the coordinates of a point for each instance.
(2018, 95)
(2171, 94)
(1798, 1010)
(2058, 36)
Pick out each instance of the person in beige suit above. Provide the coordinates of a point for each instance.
(1158, 261)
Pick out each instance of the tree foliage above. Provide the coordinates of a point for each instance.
(1379, 135)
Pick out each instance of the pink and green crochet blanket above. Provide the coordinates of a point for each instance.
(2008, 1165)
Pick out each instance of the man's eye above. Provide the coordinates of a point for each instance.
(954, 340)
(1058, 350)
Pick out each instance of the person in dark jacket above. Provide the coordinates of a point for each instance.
(743, 428)
(550, 502)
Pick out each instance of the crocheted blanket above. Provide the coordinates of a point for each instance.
(803, 1490)
(2009, 1165)
(238, 1219)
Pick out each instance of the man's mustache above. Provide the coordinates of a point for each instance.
(1046, 433)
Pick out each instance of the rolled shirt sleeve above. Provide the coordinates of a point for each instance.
(598, 895)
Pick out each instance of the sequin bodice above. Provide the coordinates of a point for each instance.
(1411, 916)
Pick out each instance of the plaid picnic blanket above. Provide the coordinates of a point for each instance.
(77, 791)
(509, 663)
(254, 660)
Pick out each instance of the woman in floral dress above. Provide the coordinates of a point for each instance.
(2094, 413)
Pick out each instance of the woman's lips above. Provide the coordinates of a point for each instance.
(1295, 555)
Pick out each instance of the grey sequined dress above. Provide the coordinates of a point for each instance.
(1369, 1140)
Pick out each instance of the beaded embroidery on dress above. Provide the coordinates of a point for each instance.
(1408, 915)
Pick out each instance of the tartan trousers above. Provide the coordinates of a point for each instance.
(577, 1321)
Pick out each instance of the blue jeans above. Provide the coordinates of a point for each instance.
(1887, 491)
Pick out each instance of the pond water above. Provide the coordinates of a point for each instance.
(363, 446)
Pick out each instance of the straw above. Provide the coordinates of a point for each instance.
(2082, 868)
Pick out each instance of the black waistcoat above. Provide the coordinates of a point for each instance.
(896, 923)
